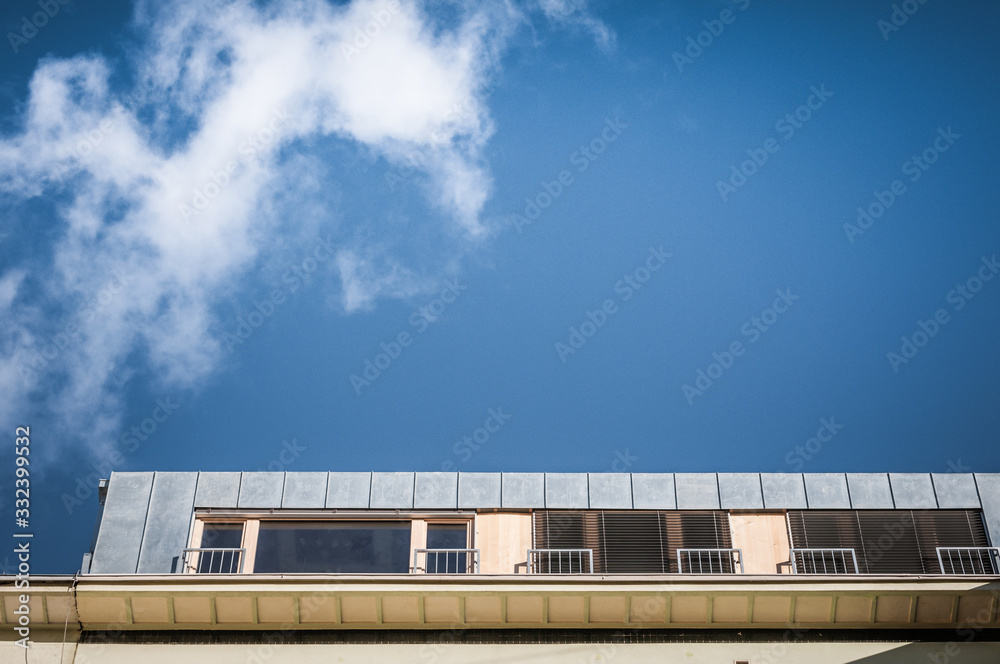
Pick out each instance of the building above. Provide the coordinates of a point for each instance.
(825, 568)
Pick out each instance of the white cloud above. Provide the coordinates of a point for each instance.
(158, 216)
(575, 14)
(163, 200)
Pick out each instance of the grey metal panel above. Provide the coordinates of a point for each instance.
(168, 522)
(912, 491)
(827, 491)
(304, 490)
(697, 491)
(783, 491)
(479, 490)
(956, 490)
(989, 493)
(523, 489)
(653, 491)
(610, 491)
(217, 490)
(349, 490)
(740, 491)
(124, 519)
(566, 491)
(261, 490)
(436, 491)
(392, 491)
(870, 491)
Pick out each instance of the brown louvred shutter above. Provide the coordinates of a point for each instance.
(888, 541)
(631, 542)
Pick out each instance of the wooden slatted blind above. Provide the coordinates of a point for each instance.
(888, 541)
(634, 541)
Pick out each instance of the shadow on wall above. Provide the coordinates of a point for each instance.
(952, 652)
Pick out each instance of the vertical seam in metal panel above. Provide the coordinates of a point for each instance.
(673, 478)
(458, 488)
(850, 503)
(937, 504)
(194, 502)
(631, 495)
(281, 501)
(545, 490)
(892, 494)
(326, 490)
(371, 488)
(145, 522)
(804, 492)
(975, 483)
(501, 491)
(413, 490)
(239, 489)
(718, 490)
(587, 475)
(760, 480)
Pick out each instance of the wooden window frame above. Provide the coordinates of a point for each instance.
(251, 525)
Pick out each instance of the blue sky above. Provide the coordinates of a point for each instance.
(535, 236)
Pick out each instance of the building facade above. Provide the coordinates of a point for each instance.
(828, 568)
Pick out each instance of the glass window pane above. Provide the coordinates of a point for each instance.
(336, 547)
(446, 536)
(220, 536)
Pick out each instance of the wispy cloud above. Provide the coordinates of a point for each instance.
(575, 14)
(158, 208)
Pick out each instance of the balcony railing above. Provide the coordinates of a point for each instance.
(212, 561)
(824, 561)
(446, 561)
(710, 561)
(560, 561)
(969, 559)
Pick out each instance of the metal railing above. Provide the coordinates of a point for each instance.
(969, 559)
(560, 561)
(824, 561)
(446, 561)
(212, 561)
(709, 561)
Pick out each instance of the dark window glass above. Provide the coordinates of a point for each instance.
(220, 536)
(447, 536)
(339, 547)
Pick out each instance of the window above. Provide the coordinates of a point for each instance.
(220, 544)
(333, 547)
(888, 541)
(627, 542)
(447, 536)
